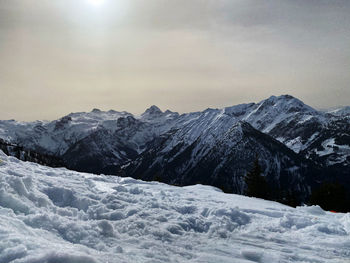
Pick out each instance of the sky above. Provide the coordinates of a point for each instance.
(62, 56)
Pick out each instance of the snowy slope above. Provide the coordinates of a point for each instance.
(332, 149)
(304, 130)
(266, 114)
(218, 149)
(285, 118)
(61, 216)
(63, 136)
(342, 111)
(57, 136)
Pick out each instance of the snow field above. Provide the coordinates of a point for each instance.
(59, 216)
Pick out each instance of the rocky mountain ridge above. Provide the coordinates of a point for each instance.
(295, 143)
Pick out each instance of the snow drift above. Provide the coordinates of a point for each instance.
(56, 215)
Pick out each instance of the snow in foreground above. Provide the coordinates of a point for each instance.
(59, 216)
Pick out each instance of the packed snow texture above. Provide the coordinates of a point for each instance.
(59, 216)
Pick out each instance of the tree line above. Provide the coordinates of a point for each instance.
(330, 196)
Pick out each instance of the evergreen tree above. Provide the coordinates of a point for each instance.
(158, 177)
(256, 183)
(331, 196)
(289, 197)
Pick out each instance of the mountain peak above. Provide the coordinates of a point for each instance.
(287, 102)
(153, 110)
(95, 110)
(285, 97)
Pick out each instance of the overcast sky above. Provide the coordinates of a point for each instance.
(62, 56)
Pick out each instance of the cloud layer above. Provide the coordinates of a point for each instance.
(59, 56)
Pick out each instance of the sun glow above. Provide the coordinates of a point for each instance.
(96, 2)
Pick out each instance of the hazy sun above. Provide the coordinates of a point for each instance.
(96, 2)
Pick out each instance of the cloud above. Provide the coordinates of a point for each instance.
(130, 54)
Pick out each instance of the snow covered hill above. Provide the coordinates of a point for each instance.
(57, 215)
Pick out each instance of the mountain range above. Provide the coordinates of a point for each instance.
(298, 147)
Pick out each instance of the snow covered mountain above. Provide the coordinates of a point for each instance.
(217, 149)
(58, 136)
(62, 216)
(285, 118)
(320, 136)
(215, 146)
